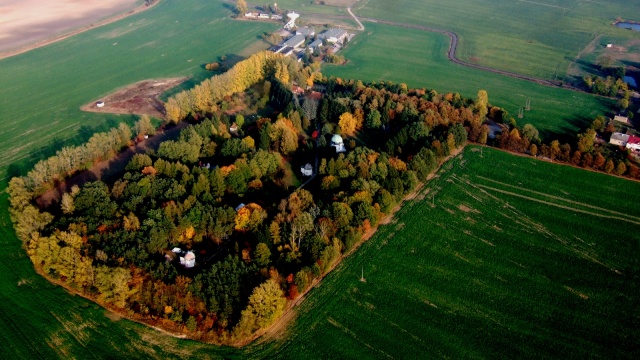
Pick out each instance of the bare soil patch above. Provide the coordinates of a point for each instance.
(30, 24)
(141, 98)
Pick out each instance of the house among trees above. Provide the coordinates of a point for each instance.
(622, 119)
(307, 170)
(336, 142)
(619, 139)
(233, 129)
(188, 260)
(633, 143)
(240, 207)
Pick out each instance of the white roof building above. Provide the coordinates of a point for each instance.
(336, 142)
(189, 260)
(307, 170)
(619, 139)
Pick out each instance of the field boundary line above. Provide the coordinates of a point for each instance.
(557, 205)
(561, 198)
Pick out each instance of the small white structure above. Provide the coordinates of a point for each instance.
(306, 170)
(100, 104)
(609, 46)
(633, 143)
(292, 20)
(240, 207)
(619, 139)
(263, 16)
(189, 260)
(622, 119)
(176, 250)
(276, 17)
(336, 142)
(251, 15)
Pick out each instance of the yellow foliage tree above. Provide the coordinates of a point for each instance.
(347, 123)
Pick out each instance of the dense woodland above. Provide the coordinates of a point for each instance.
(228, 190)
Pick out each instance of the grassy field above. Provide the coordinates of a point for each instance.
(421, 61)
(492, 270)
(44, 88)
(515, 258)
(536, 38)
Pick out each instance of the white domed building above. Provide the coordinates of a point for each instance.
(336, 142)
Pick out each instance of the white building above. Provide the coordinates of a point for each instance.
(306, 170)
(619, 139)
(336, 142)
(633, 143)
(188, 260)
(334, 35)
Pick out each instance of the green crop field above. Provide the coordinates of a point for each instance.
(43, 89)
(419, 58)
(516, 258)
(499, 256)
(536, 38)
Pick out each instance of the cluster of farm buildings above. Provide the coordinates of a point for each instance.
(306, 38)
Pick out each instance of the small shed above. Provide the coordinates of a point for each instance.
(100, 104)
(307, 170)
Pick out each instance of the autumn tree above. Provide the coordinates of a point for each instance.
(347, 124)
(482, 103)
(266, 304)
(241, 7)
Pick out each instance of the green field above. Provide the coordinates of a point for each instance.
(44, 88)
(536, 38)
(419, 58)
(493, 269)
(499, 256)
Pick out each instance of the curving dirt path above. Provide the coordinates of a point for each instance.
(453, 47)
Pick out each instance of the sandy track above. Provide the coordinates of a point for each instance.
(30, 24)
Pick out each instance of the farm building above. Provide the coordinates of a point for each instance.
(307, 170)
(294, 41)
(188, 260)
(315, 44)
(276, 17)
(334, 35)
(622, 119)
(619, 139)
(336, 142)
(305, 31)
(633, 143)
(264, 16)
(251, 15)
